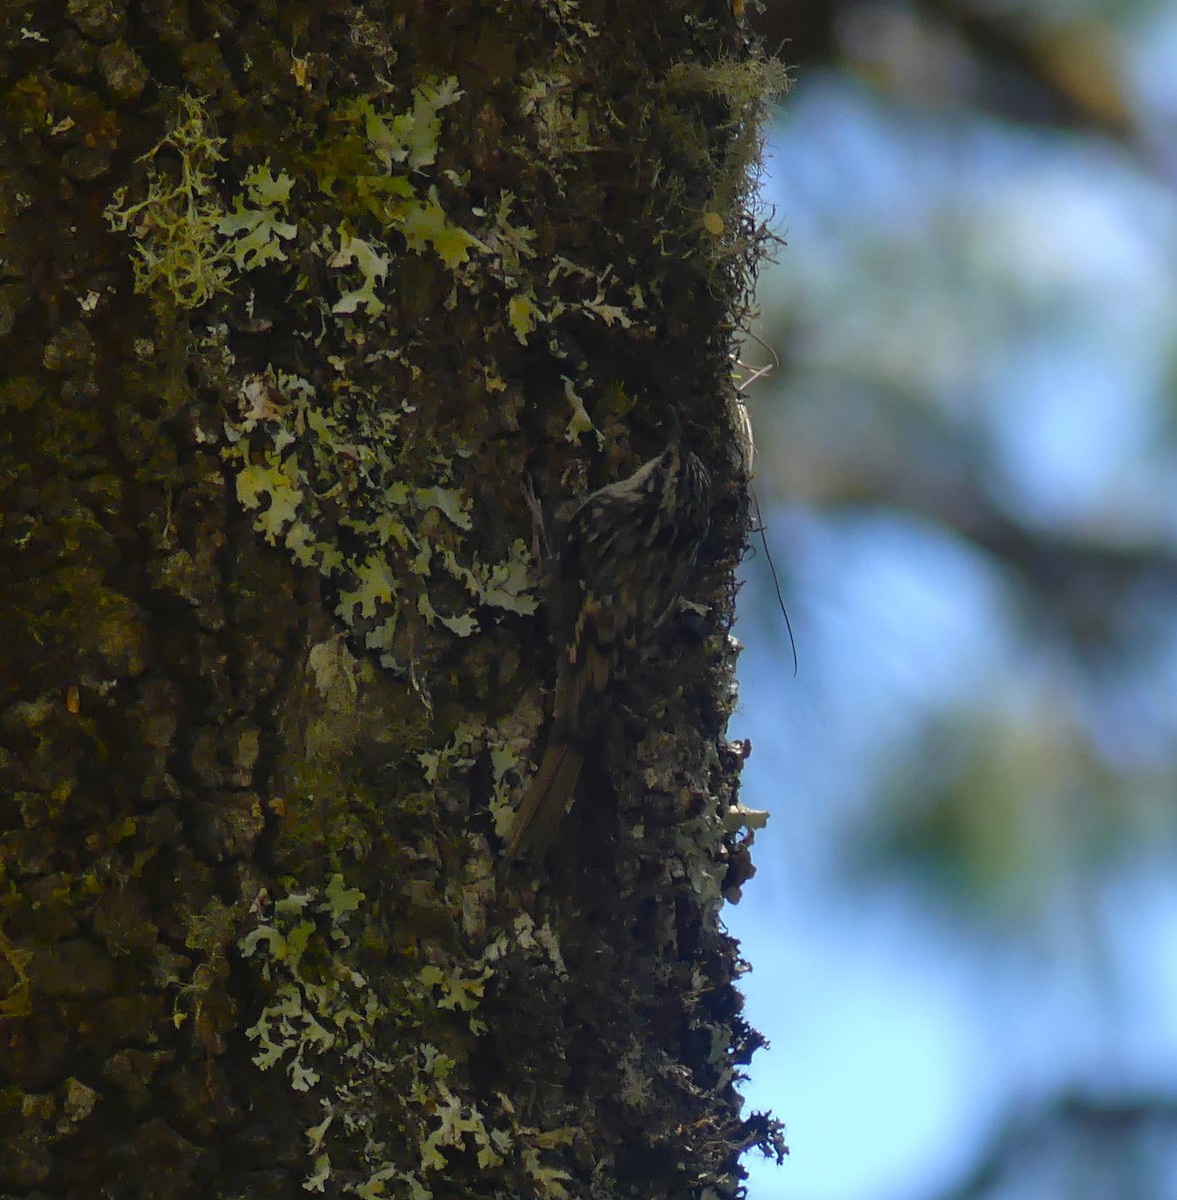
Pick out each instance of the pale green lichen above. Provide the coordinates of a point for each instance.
(187, 246)
(456, 992)
(324, 467)
(179, 250)
(312, 1012)
(425, 226)
(349, 1041)
(509, 749)
(321, 467)
(409, 139)
(17, 999)
(574, 29)
(746, 87)
(506, 584)
(254, 225)
(313, 473)
(563, 126)
(372, 265)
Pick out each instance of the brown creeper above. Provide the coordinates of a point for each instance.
(626, 555)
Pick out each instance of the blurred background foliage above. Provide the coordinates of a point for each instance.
(964, 929)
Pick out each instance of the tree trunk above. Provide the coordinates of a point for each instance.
(317, 320)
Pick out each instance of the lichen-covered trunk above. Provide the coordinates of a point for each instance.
(316, 322)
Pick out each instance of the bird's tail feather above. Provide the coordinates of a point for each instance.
(545, 802)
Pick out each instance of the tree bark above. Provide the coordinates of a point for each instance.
(307, 310)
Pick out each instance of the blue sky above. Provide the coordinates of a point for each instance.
(1022, 287)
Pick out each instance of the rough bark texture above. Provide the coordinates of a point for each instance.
(293, 299)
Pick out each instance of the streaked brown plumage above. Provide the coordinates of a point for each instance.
(627, 552)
